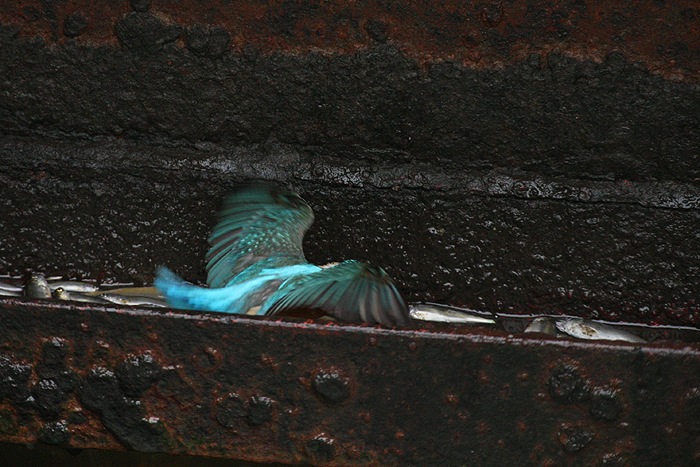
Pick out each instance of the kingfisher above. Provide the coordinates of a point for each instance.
(256, 266)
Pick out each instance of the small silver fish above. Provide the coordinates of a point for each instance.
(133, 300)
(542, 325)
(10, 288)
(37, 287)
(444, 314)
(73, 286)
(78, 297)
(62, 294)
(587, 329)
(9, 293)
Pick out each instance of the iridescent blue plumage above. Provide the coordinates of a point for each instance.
(256, 265)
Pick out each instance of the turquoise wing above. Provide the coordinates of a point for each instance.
(256, 222)
(349, 291)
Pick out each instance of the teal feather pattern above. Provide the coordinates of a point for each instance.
(256, 265)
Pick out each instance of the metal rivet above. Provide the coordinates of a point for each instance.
(230, 411)
(321, 448)
(331, 385)
(605, 405)
(566, 385)
(259, 410)
(574, 438)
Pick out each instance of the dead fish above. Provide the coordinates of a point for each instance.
(542, 325)
(587, 329)
(444, 314)
(5, 287)
(37, 287)
(62, 294)
(9, 293)
(73, 286)
(132, 300)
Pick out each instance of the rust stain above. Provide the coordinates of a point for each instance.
(265, 396)
(664, 36)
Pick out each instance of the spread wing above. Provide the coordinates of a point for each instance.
(256, 222)
(349, 291)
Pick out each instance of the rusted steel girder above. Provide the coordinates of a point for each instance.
(286, 391)
(662, 35)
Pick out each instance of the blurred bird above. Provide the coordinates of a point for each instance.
(256, 266)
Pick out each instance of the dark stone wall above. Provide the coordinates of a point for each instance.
(523, 170)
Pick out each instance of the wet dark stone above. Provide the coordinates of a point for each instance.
(259, 410)
(211, 43)
(567, 386)
(74, 25)
(230, 411)
(137, 373)
(143, 33)
(605, 405)
(321, 448)
(331, 386)
(55, 433)
(13, 380)
(574, 439)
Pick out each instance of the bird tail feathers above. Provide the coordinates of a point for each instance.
(184, 295)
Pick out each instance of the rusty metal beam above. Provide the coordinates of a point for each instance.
(663, 35)
(291, 391)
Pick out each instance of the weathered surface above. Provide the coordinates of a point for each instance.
(576, 89)
(338, 395)
(56, 456)
(615, 250)
(662, 35)
(547, 115)
(537, 156)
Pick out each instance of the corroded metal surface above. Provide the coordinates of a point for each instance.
(520, 243)
(663, 35)
(521, 156)
(330, 394)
